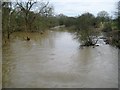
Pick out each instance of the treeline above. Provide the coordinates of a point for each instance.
(33, 16)
(88, 27)
(26, 16)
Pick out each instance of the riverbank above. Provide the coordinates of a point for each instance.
(112, 38)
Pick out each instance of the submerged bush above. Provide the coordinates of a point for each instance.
(86, 31)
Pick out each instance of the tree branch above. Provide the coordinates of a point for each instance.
(31, 5)
(43, 7)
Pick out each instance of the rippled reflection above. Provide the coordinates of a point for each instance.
(55, 60)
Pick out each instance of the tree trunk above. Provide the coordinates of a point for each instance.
(8, 30)
(8, 36)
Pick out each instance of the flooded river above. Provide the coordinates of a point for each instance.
(54, 60)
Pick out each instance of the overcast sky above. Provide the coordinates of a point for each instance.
(77, 7)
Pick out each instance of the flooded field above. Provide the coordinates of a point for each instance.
(54, 60)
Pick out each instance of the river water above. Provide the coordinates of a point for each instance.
(54, 60)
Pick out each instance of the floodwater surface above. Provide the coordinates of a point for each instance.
(0, 59)
(54, 60)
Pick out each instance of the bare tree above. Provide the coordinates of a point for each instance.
(30, 6)
(7, 13)
(119, 15)
(103, 16)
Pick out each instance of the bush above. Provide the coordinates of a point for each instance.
(107, 27)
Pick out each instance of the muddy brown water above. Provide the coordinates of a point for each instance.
(0, 58)
(54, 60)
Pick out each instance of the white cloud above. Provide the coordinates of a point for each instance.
(67, 1)
(76, 7)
